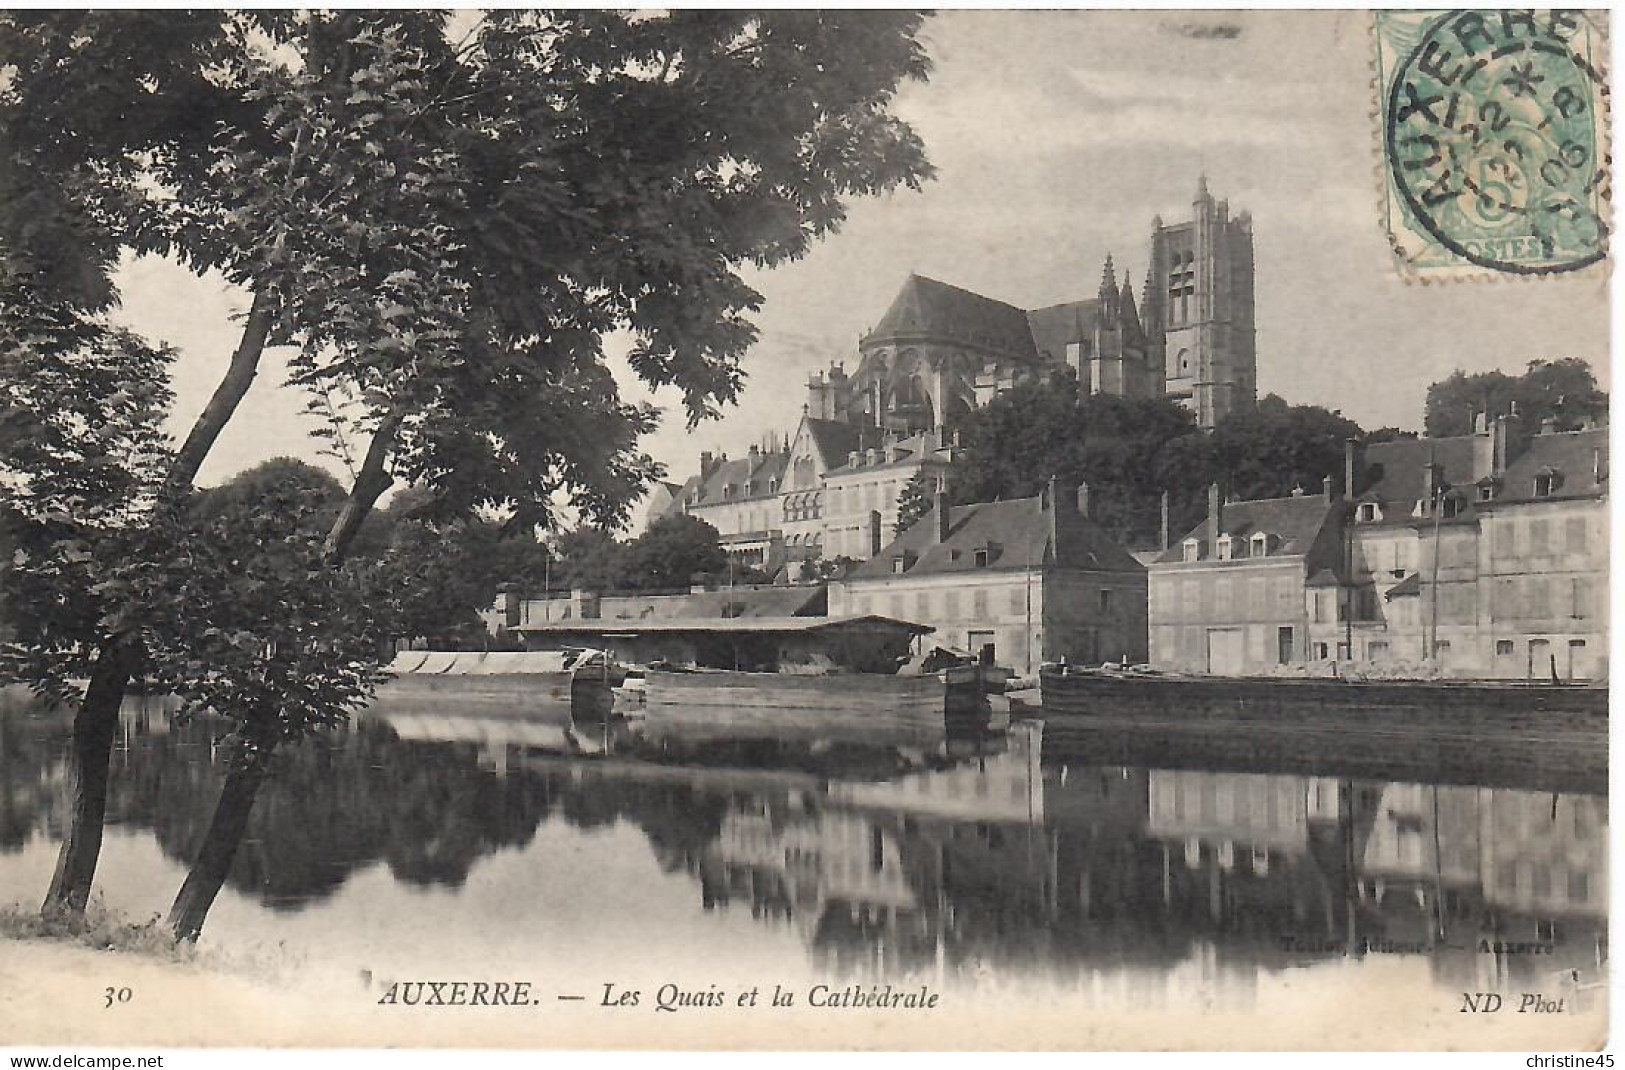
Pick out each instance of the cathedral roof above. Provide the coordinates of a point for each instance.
(925, 308)
(1053, 328)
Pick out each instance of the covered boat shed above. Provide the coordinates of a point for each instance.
(867, 643)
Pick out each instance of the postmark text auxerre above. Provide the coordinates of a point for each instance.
(1494, 140)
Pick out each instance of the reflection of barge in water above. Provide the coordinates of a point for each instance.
(931, 703)
(542, 687)
(1534, 710)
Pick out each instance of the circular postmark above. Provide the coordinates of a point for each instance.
(1493, 140)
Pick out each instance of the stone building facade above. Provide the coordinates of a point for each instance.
(1033, 578)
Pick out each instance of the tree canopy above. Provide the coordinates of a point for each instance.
(1563, 390)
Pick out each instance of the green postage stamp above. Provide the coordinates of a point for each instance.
(1494, 128)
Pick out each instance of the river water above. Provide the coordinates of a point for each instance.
(450, 847)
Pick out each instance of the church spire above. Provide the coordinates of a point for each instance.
(1108, 280)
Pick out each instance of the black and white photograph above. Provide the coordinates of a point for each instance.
(804, 529)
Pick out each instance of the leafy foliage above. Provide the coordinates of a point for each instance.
(1562, 390)
(1130, 450)
(82, 459)
(917, 498)
(672, 553)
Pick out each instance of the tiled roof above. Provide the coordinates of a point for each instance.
(909, 451)
(1571, 454)
(769, 467)
(1410, 585)
(1056, 326)
(1398, 467)
(926, 308)
(834, 439)
(1015, 533)
(1297, 521)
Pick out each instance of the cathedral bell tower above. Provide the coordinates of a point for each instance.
(1198, 304)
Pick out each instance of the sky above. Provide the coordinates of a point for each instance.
(1057, 137)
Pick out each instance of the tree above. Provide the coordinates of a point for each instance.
(917, 498)
(1018, 441)
(445, 222)
(1275, 447)
(1561, 390)
(672, 552)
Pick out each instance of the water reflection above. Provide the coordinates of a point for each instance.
(883, 861)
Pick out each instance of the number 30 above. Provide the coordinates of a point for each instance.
(116, 995)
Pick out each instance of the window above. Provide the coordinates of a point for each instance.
(1322, 651)
(1018, 599)
(1503, 646)
(922, 605)
(1193, 550)
(1376, 650)
(1537, 537)
(1486, 492)
(899, 565)
(1368, 511)
(1538, 595)
(1284, 645)
(1579, 886)
(978, 604)
(1547, 483)
(979, 558)
(1261, 544)
(1505, 539)
(1105, 603)
(1574, 535)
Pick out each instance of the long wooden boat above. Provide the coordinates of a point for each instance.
(869, 702)
(1530, 710)
(541, 687)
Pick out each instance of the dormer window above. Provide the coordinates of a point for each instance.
(1261, 544)
(728, 491)
(899, 565)
(1547, 482)
(772, 486)
(1369, 511)
(979, 558)
(1193, 550)
(1486, 492)
(1452, 507)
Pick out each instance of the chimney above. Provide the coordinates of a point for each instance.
(1349, 490)
(707, 462)
(874, 533)
(1215, 518)
(1326, 488)
(1164, 528)
(941, 517)
(1548, 426)
(1083, 498)
(1506, 427)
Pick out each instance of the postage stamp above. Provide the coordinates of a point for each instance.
(1494, 140)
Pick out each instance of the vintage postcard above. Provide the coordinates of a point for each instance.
(807, 529)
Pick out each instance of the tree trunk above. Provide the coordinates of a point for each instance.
(370, 484)
(231, 813)
(94, 727)
(96, 722)
(220, 843)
